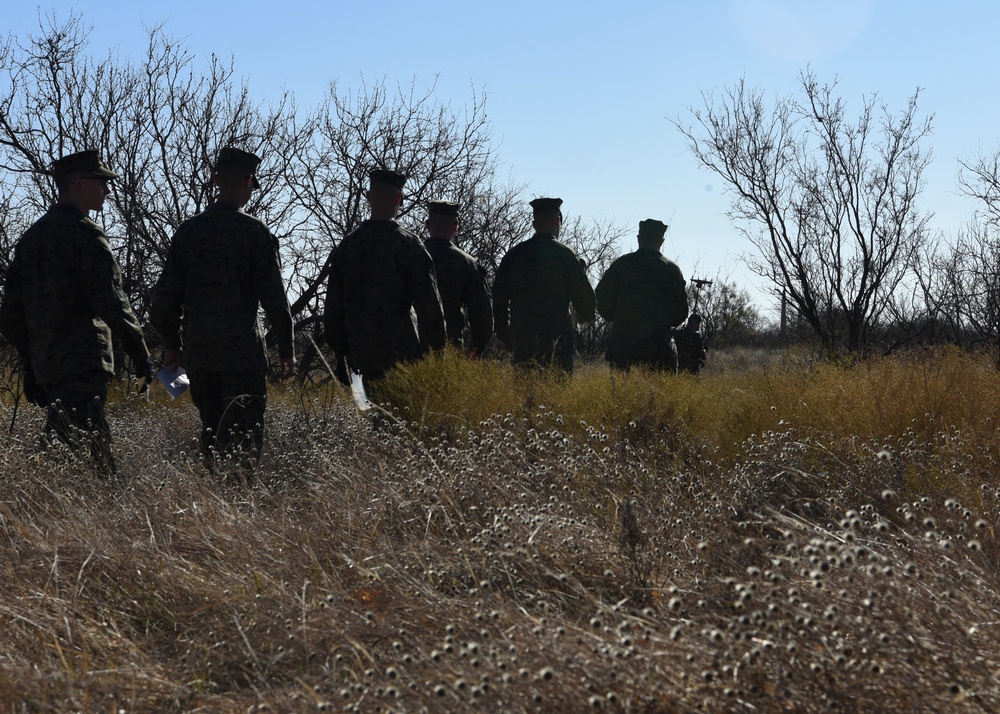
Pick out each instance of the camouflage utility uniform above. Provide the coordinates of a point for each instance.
(62, 301)
(378, 272)
(462, 283)
(642, 294)
(222, 265)
(535, 284)
(691, 353)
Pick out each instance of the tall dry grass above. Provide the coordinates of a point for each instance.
(785, 537)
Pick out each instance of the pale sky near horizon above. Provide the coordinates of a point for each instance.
(580, 96)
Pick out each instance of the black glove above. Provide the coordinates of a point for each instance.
(341, 372)
(33, 391)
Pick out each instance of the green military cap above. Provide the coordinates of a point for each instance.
(87, 163)
(651, 229)
(541, 205)
(442, 208)
(394, 179)
(232, 158)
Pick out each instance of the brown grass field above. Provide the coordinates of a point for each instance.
(771, 536)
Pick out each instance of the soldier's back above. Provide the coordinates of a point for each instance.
(221, 257)
(642, 290)
(454, 268)
(56, 260)
(538, 274)
(461, 283)
(536, 283)
(377, 271)
(642, 295)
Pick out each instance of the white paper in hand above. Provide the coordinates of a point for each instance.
(175, 380)
(358, 391)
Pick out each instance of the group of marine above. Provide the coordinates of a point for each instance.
(64, 298)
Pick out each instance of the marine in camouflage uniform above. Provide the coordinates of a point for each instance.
(223, 265)
(379, 273)
(461, 281)
(62, 302)
(642, 294)
(536, 282)
(691, 354)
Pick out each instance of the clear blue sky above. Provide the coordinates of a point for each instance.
(579, 94)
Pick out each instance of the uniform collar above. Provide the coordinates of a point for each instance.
(226, 205)
(68, 209)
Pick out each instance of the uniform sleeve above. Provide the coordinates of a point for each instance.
(270, 292)
(480, 310)
(107, 298)
(13, 323)
(426, 299)
(165, 309)
(606, 294)
(501, 302)
(334, 322)
(582, 294)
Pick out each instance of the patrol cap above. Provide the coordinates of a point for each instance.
(651, 229)
(442, 208)
(232, 158)
(542, 205)
(392, 178)
(87, 163)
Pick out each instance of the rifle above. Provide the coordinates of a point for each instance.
(698, 283)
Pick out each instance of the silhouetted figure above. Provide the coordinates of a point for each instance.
(536, 283)
(691, 354)
(642, 295)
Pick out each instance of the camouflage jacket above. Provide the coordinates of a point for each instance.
(642, 294)
(222, 266)
(462, 284)
(63, 299)
(691, 353)
(535, 285)
(378, 273)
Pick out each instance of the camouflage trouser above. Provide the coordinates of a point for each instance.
(662, 363)
(690, 351)
(231, 405)
(544, 351)
(654, 352)
(75, 416)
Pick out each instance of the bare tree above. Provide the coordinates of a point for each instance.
(961, 285)
(158, 122)
(596, 242)
(34, 108)
(976, 256)
(829, 202)
(493, 217)
(960, 278)
(446, 154)
(979, 178)
(728, 314)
